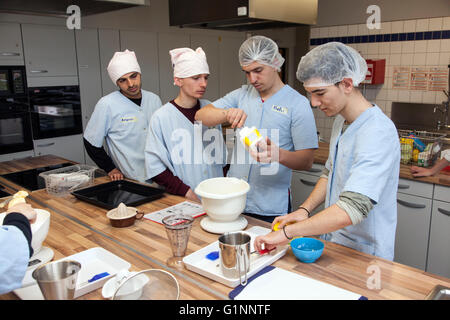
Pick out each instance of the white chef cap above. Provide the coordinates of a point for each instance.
(187, 62)
(260, 49)
(122, 63)
(329, 63)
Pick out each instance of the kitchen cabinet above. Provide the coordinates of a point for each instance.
(231, 76)
(438, 251)
(209, 44)
(167, 42)
(11, 50)
(302, 184)
(413, 229)
(68, 147)
(109, 43)
(49, 51)
(145, 45)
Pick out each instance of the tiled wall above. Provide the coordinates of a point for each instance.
(422, 43)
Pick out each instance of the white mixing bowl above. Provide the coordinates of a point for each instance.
(223, 198)
(39, 228)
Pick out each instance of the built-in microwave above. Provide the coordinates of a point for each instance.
(12, 81)
(55, 111)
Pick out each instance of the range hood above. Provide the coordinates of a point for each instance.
(58, 8)
(242, 15)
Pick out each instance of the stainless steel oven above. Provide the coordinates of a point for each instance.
(15, 124)
(55, 111)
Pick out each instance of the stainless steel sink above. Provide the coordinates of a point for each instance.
(439, 293)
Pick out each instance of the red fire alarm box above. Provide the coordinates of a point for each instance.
(375, 71)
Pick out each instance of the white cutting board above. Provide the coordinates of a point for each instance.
(280, 284)
(198, 262)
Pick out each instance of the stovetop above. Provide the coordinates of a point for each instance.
(29, 179)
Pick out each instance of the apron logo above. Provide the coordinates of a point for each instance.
(129, 119)
(282, 110)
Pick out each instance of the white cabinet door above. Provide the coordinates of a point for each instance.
(144, 44)
(231, 76)
(11, 50)
(301, 187)
(413, 226)
(68, 147)
(89, 71)
(209, 44)
(167, 42)
(439, 247)
(49, 51)
(109, 43)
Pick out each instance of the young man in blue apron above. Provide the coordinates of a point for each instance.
(122, 118)
(360, 179)
(281, 114)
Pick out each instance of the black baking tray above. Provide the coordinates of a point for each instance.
(110, 195)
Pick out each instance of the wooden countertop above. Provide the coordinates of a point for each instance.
(443, 178)
(77, 225)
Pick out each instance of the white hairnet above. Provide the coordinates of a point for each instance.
(329, 63)
(122, 63)
(260, 49)
(187, 62)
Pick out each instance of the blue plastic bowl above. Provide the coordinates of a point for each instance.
(307, 250)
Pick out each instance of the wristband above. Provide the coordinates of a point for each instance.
(285, 234)
(309, 213)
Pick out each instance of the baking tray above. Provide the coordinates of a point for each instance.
(110, 195)
(199, 263)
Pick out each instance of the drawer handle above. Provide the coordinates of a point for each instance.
(46, 145)
(403, 186)
(308, 183)
(446, 212)
(38, 71)
(314, 170)
(10, 54)
(411, 205)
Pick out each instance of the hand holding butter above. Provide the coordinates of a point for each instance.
(260, 148)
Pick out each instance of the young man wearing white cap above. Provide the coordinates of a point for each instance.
(360, 179)
(122, 118)
(173, 131)
(276, 109)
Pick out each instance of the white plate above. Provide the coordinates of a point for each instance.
(198, 262)
(93, 261)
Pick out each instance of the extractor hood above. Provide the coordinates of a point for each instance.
(242, 15)
(58, 8)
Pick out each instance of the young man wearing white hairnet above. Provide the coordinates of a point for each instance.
(175, 154)
(122, 118)
(360, 179)
(277, 111)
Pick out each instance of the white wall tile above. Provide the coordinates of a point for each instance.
(388, 107)
(372, 48)
(445, 45)
(403, 95)
(420, 46)
(333, 31)
(419, 59)
(315, 33)
(407, 59)
(444, 58)
(392, 95)
(323, 32)
(353, 30)
(409, 26)
(407, 46)
(415, 96)
(435, 24)
(433, 45)
(429, 97)
(432, 59)
(342, 31)
(385, 48)
(396, 47)
(397, 26)
(446, 23)
(422, 25)
(395, 59)
(386, 27)
(362, 29)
